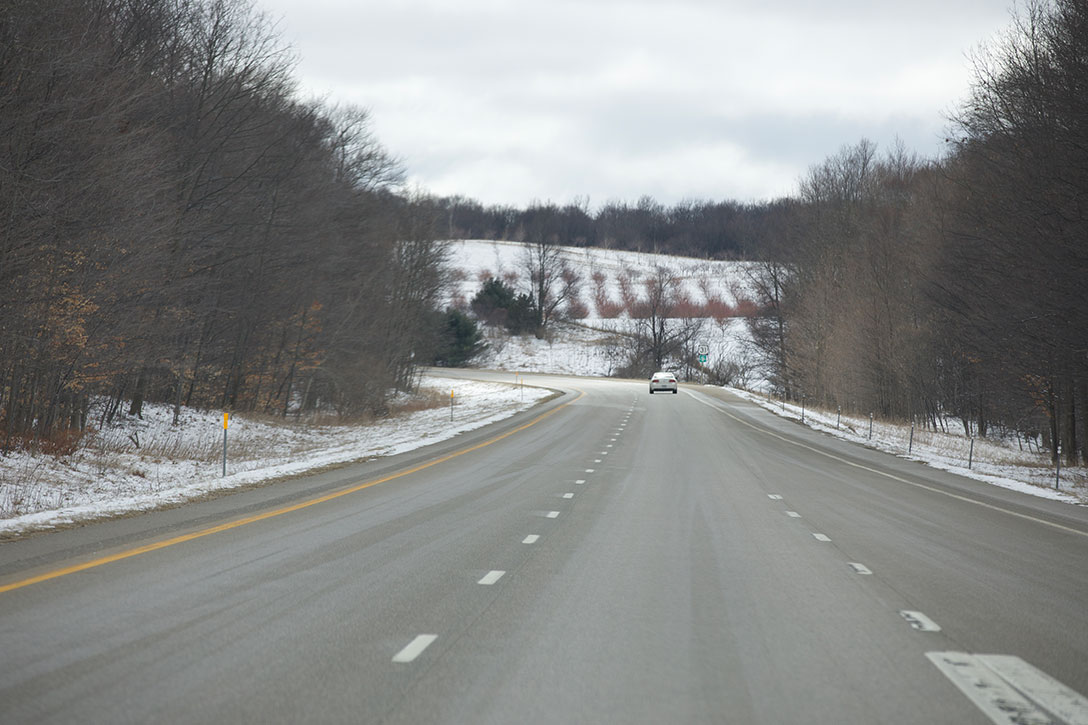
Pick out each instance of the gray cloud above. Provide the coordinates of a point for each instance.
(509, 101)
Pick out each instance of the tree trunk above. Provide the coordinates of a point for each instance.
(1069, 431)
(137, 406)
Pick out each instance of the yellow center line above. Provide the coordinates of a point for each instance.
(147, 548)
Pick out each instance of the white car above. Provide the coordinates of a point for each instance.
(663, 381)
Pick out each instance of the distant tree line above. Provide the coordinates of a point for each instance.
(178, 227)
(919, 289)
(707, 229)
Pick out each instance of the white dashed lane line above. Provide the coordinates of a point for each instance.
(568, 495)
(793, 514)
(589, 470)
(491, 577)
(860, 568)
(415, 648)
(821, 537)
(580, 481)
(531, 539)
(774, 497)
(552, 514)
(919, 621)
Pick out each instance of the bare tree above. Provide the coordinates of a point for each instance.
(553, 283)
(660, 339)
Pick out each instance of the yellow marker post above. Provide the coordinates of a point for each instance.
(224, 444)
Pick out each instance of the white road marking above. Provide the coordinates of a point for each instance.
(609, 445)
(821, 537)
(552, 514)
(892, 476)
(774, 497)
(793, 514)
(580, 481)
(415, 648)
(1056, 698)
(491, 577)
(604, 453)
(531, 539)
(860, 568)
(919, 621)
(597, 460)
(568, 495)
(589, 470)
(1010, 691)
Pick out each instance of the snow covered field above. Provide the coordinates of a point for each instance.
(110, 475)
(606, 270)
(578, 349)
(611, 282)
(1000, 463)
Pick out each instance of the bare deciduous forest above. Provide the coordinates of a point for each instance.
(922, 289)
(178, 227)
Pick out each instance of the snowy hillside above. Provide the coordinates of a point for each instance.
(611, 284)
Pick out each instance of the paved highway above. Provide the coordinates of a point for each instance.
(609, 557)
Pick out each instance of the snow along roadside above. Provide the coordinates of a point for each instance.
(40, 492)
(992, 463)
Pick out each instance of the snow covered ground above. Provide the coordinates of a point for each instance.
(473, 261)
(997, 462)
(579, 349)
(610, 281)
(110, 475)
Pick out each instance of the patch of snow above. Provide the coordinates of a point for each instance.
(992, 461)
(109, 475)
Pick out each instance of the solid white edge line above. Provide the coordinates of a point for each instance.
(491, 577)
(531, 539)
(892, 476)
(415, 648)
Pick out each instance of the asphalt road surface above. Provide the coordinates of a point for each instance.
(608, 557)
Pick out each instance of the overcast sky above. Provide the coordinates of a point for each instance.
(512, 101)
